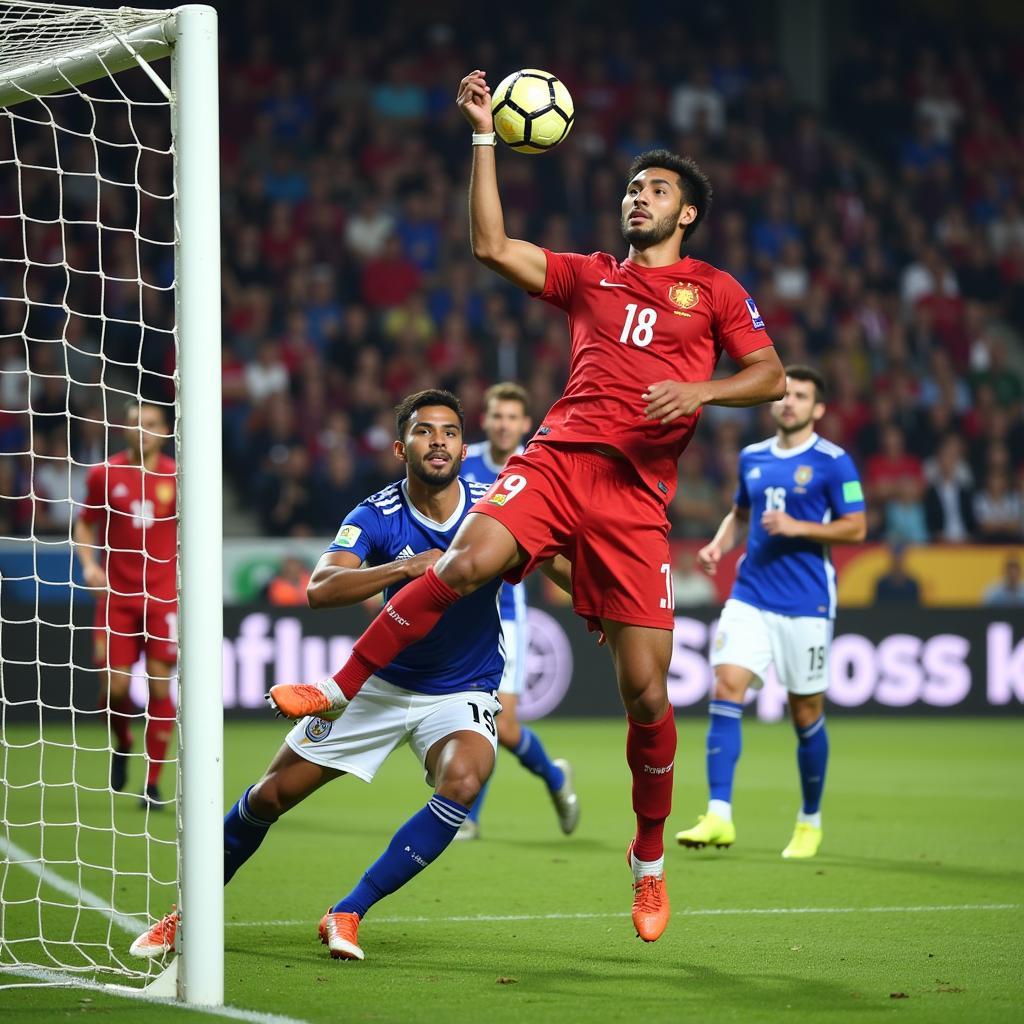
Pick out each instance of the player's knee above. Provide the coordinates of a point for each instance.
(266, 799)
(464, 570)
(729, 687)
(461, 782)
(645, 696)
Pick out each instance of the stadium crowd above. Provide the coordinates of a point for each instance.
(883, 239)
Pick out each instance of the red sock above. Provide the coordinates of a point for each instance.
(159, 728)
(409, 616)
(651, 752)
(120, 717)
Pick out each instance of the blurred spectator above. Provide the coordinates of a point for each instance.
(905, 521)
(999, 510)
(896, 585)
(949, 500)
(691, 586)
(1007, 592)
(287, 589)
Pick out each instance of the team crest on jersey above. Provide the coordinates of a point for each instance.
(347, 536)
(165, 492)
(684, 295)
(497, 499)
(719, 640)
(803, 475)
(318, 729)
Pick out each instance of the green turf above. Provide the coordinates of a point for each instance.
(919, 814)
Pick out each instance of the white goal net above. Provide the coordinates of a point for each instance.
(91, 366)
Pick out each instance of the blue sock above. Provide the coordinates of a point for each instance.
(534, 758)
(243, 833)
(422, 839)
(725, 741)
(478, 803)
(812, 759)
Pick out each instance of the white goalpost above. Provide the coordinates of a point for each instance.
(109, 302)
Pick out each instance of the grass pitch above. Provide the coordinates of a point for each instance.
(913, 909)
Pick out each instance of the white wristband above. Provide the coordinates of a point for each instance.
(484, 139)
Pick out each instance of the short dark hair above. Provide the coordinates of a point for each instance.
(694, 182)
(798, 371)
(432, 396)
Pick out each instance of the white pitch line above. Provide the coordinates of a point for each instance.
(51, 979)
(18, 857)
(707, 912)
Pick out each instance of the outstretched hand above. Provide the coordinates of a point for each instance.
(474, 100)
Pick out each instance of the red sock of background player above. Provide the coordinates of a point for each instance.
(407, 617)
(121, 710)
(159, 727)
(651, 752)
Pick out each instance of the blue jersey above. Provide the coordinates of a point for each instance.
(465, 650)
(478, 466)
(816, 482)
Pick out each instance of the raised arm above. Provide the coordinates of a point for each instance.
(522, 263)
(338, 579)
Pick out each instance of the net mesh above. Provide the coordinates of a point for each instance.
(88, 356)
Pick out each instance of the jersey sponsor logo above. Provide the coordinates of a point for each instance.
(803, 475)
(497, 499)
(406, 552)
(347, 536)
(684, 295)
(317, 729)
(755, 473)
(852, 491)
(165, 492)
(755, 316)
(612, 284)
(120, 491)
(651, 770)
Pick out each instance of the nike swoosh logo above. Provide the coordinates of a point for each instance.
(611, 284)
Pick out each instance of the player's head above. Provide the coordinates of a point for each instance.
(665, 194)
(804, 401)
(145, 428)
(506, 416)
(430, 431)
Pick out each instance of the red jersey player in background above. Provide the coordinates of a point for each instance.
(126, 538)
(596, 479)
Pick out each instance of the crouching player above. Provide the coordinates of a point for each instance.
(438, 695)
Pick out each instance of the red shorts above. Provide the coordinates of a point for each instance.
(595, 510)
(127, 626)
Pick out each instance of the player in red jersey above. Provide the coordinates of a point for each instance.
(126, 538)
(596, 479)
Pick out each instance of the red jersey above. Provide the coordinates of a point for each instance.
(135, 513)
(631, 327)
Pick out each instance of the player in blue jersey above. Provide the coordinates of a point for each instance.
(506, 420)
(437, 696)
(797, 494)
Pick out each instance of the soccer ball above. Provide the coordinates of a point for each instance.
(532, 111)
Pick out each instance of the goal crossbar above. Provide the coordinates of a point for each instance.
(101, 51)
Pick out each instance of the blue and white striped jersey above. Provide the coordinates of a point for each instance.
(478, 466)
(816, 481)
(465, 650)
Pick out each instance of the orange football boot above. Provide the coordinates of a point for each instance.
(159, 939)
(323, 699)
(339, 933)
(650, 903)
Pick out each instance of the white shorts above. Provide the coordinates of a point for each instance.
(798, 646)
(382, 717)
(513, 677)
